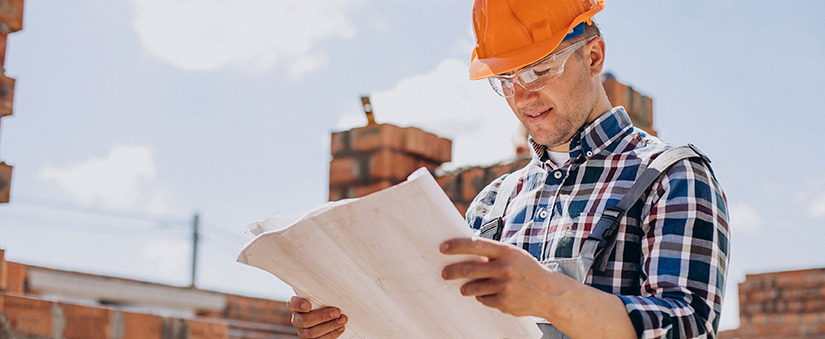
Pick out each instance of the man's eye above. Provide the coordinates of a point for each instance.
(543, 72)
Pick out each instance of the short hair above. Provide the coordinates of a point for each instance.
(590, 30)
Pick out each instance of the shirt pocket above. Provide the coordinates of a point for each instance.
(568, 240)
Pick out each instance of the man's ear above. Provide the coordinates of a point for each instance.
(595, 50)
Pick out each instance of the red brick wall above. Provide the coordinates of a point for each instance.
(783, 305)
(25, 316)
(11, 20)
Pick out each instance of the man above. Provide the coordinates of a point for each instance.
(665, 274)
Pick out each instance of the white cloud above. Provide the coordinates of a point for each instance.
(114, 181)
(306, 64)
(813, 196)
(205, 35)
(445, 102)
(816, 206)
(744, 218)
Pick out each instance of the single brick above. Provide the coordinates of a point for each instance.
(11, 15)
(472, 181)
(340, 143)
(3, 38)
(344, 170)
(427, 145)
(142, 325)
(6, 95)
(206, 329)
(16, 278)
(86, 321)
(391, 165)
(28, 316)
(370, 138)
(451, 186)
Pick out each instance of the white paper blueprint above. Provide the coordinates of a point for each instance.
(377, 259)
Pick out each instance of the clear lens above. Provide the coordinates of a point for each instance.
(536, 76)
(503, 87)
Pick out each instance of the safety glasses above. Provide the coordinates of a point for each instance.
(537, 75)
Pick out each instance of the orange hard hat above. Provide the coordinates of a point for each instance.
(511, 34)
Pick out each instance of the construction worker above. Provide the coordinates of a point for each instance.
(659, 274)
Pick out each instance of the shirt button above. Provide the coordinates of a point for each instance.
(557, 174)
(543, 214)
(589, 154)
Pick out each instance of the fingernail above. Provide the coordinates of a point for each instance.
(444, 247)
(334, 313)
(305, 306)
(342, 320)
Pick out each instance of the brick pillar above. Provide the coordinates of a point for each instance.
(787, 304)
(11, 20)
(639, 107)
(370, 158)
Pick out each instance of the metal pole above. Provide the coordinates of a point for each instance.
(195, 237)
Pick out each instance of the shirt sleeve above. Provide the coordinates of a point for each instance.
(685, 256)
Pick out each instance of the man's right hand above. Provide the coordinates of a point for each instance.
(324, 323)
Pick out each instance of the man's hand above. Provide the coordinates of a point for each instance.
(511, 280)
(325, 323)
(514, 282)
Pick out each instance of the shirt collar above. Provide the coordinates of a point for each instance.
(593, 137)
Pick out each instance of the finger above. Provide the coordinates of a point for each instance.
(485, 287)
(478, 246)
(479, 270)
(298, 304)
(315, 318)
(329, 329)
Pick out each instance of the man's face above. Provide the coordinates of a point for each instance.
(555, 113)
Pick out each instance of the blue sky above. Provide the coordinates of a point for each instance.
(130, 116)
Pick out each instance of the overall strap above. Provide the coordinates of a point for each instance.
(602, 238)
(493, 228)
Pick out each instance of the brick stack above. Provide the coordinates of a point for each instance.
(11, 20)
(374, 157)
(787, 305)
(639, 107)
(462, 185)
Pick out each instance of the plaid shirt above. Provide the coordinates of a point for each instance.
(671, 255)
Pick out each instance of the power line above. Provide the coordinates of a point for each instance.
(51, 203)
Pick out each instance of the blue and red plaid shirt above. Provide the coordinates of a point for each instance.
(670, 260)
